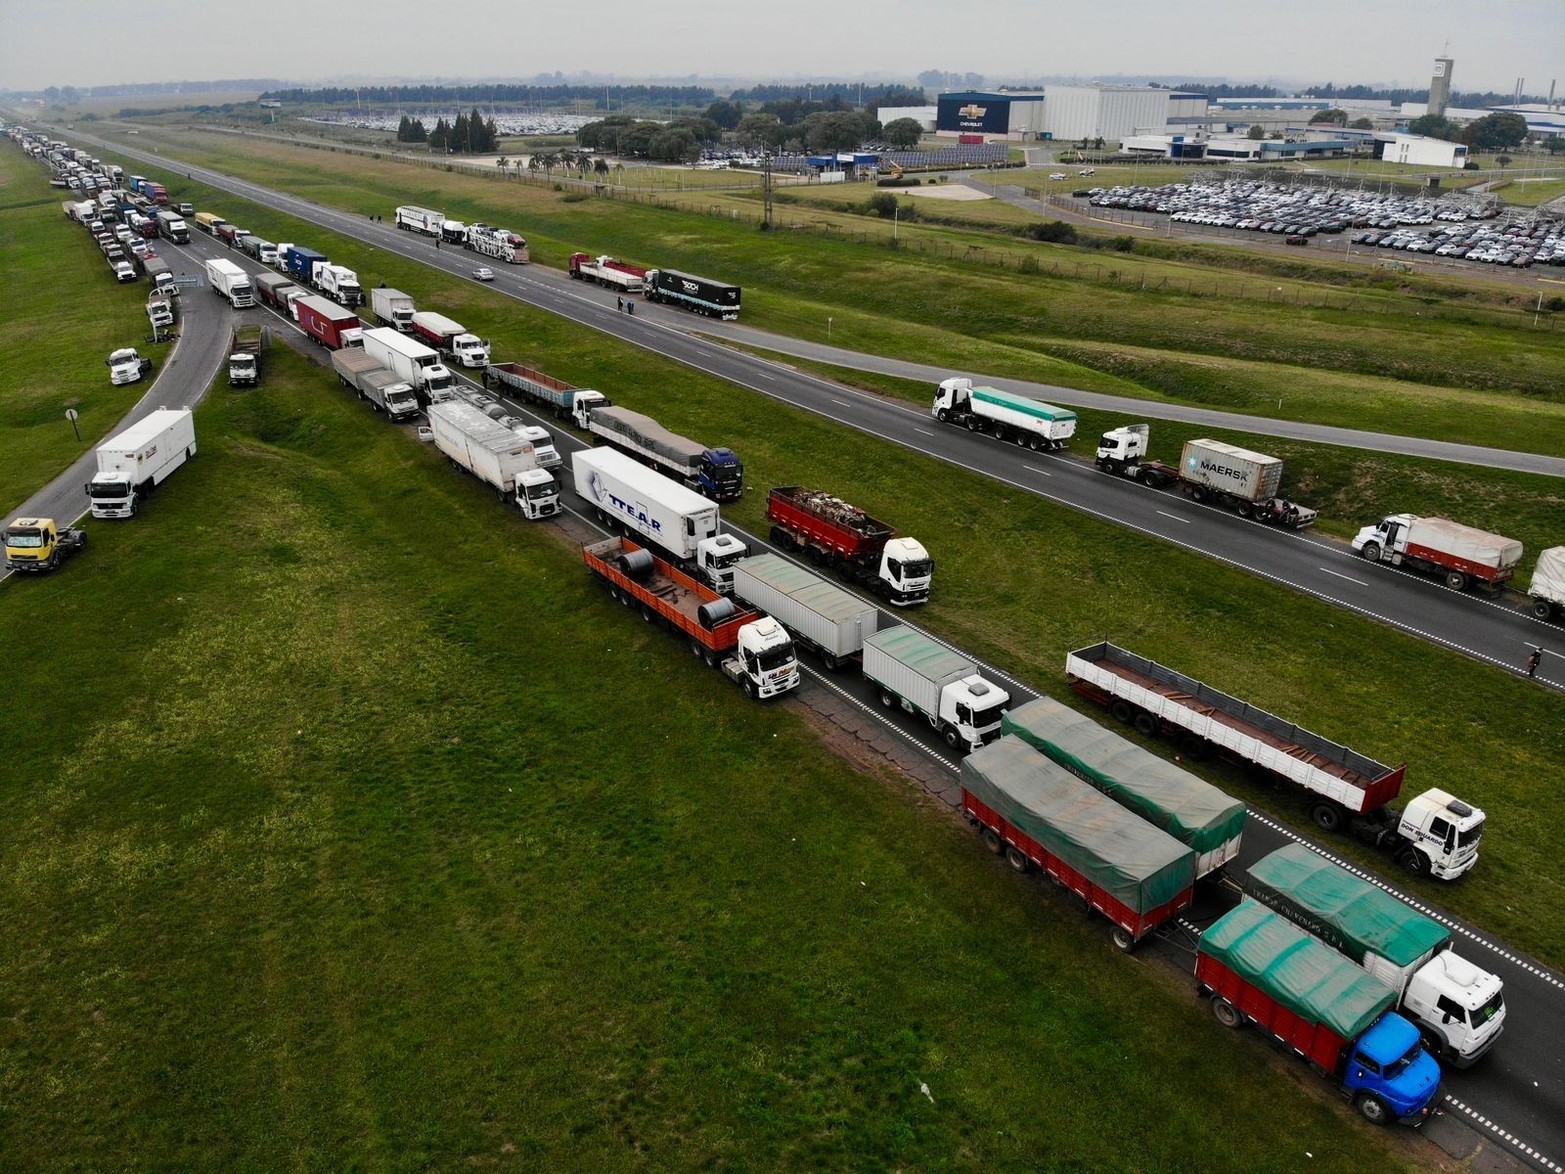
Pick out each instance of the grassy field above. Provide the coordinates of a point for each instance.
(946, 297)
(55, 345)
(359, 850)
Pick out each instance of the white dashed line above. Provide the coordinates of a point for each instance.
(1031, 469)
(1510, 1139)
(1175, 517)
(1340, 575)
(925, 431)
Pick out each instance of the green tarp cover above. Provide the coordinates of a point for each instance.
(1119, 852)
(932, 661)
(1309, 979)
(1342, 910)
(1192, 811)
(1022, 403)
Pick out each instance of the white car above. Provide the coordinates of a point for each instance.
(1087, 171)
(1057, 175)
(483, 273)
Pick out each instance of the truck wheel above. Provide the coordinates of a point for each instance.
(972, 423)
(695, 648)
(647, 614)
(1226, 1013)
(1371, 552)
(943, 415)
(1122, 938)
(953, 739)
(1374, 1109)
(1021, 440)
(992, 841)
(832, 663)
(1122, 711)
(1146, 724)
(1415, 862)
(1035, 443)
(749, 688)
(1327, 816)
(1017, 859)
(1542, 608)
(887, 699)
(1198, 495)
(1456, 581)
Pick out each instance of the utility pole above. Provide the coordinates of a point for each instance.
(766, 190)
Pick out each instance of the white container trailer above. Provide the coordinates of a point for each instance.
(1003, 414)
(1548, 583)
(231, 282)
(1227, 468)
(494, 454)
(411, 361)
(820, 615)
(929, 679)
(133, 463)
(627, 493)
(393, 307)
(421, 220)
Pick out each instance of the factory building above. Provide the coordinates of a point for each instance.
(1111, 113)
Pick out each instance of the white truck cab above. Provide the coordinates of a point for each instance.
(974, 707)
(1460, 1007)
(764, 660)
(907, 570)
(715, 559)
(470, 350)
(126, 366)
(537, 494)
(1444, 831)
(543, 444)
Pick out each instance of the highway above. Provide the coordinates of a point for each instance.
(1516, 1096)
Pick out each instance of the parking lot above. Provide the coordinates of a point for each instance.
(1455, 226)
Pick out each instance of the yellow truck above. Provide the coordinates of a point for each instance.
(37, 544)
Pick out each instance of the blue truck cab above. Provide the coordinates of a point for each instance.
(721, 474)
(1389, 1062)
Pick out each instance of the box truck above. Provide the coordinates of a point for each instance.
(411, 361)
(495, 455)
(386, 391)
(392, 307)
(913, 672)
(230, 281)
(819, 615)
(137, 460)
(1461, 555)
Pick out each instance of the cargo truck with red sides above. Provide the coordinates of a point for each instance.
(832, 533)
(328, 323)
(1459, 554)
(619, 275)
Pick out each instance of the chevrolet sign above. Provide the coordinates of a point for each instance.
(973, 110)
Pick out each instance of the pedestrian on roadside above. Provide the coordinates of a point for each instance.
(437, 242)
(1534, 659)
(630, 308)
(619, 304)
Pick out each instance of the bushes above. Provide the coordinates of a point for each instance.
(1055, 231)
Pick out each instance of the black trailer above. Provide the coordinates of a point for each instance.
(715, 299)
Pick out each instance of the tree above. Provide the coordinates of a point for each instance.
(760, 130)
(834, 132)
(440, 137)
(1256, 131)
(903, 133)
(600, 166)
(674, 145)
(883, 204)
(1332, 117)
(1495, 132)
(724, 115)
(1502, 161)
(1435, 127)
(502, 163)
(932, 79)
(404, 130)
(1362, 124)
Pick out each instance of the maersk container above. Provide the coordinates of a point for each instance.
(1227, 468)
(1191, 810)
(819, 614)
(1041, 815)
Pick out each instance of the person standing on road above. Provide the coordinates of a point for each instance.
(619, 304)
(1534, 659)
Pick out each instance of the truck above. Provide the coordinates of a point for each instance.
(208, 222)
(860, 549)
(244, 355)
(231, 234)
(495, 455)
(300, 263)
(329, 324)
(698, 295)
(1436, 833)
(925, 678)
(818, 615)
(1258, 967)
(123, 270)
(531, 384)
(392, 307)
(1547, 590)
(450, 337)
(385, 390)
(1209, 471)
(453, 232)
(273, 288)
(412, 362)
(617, 275)
(36, 545)
(339, 283)
(752, 649)
(159, 275)
(1459, 1008)
(542, 442)
(160, 310)
(680, 523)
(1461, 555)
(1003, 414)
(713, 472)
(173, 226)
(263, 251)
(135, 462)
(1197, 814)
(500, 243)
(156, 192)
(127, 366)
(230, 281)
(1039, 815)
(702, 295)
(410, 218)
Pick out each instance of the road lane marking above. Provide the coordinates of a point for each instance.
(1029, 468)
(1340, 575)
(925, 431)
(843, 402)
(1175, 517)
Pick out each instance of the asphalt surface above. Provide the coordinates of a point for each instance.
(1515, 1098)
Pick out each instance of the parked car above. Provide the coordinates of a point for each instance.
(483, 273)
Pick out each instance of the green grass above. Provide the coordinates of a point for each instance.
(367, 834)
(61, 313)
(947, 297)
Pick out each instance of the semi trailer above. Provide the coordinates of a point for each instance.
(339, 283)
(1003, 414)
(713, 472)
(329, 324)
(450, 337)
(818, 614)
(411, 361)
(606, 271)
(1436, 833)
(386, 391)
(1461, 555)
(862, 550)
(565, 401)
(501, 244)
(134, 462)
(424, 221)
(702, 295)
(230, 281)
(495, 455)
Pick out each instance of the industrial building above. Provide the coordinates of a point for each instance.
(1111, 113)
(1420, 150)
(923, 115)
(1016, 115)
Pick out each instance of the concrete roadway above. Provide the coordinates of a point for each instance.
(1522, 1083)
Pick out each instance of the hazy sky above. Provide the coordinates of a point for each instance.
(95, 42)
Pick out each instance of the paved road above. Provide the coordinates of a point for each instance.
(1521, 1083)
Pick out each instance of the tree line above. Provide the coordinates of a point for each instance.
(470, 134)
(535, 94)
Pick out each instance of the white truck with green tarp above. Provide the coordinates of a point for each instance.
(922, 676)
(1041, 816)
(1003, 414)
(1191, 810)
(1459, 1008)
(818, 614)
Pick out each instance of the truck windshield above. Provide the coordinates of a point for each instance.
(539, 492)
(23, 539)
(776, 658)
(983, 718)
(913, 568)
(101, 489)
(1467, 837)
(722, 562)
(1489, 1010)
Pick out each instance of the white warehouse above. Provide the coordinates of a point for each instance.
(1116, 113)
(1422, 151)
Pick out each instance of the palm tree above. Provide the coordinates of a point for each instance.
(502, 163)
